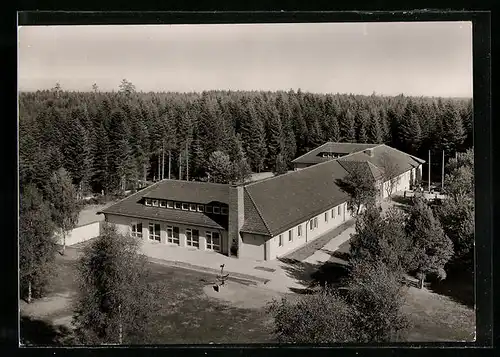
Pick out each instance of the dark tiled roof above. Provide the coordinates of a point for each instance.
(253, 221)
(133, 206)
(364, 166)
(337, 148)
(190, 191)
(286, 200)
(402, 161)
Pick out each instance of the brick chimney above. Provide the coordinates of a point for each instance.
(236, 216)
(369, 152)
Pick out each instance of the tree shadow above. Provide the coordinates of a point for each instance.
(315, 276)
(35, 332)
(458, 286)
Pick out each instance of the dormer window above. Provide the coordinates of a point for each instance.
(208, 209)
(192, 207)
(224, 211)
(163, 203)
(155, 203)
(177, 205)
(185, 206)
(170, 204)
(147, 201)
(216, 209)
(200, 208)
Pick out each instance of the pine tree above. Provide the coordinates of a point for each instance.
(362, 123)
(101, 180)
(120, 161)
(453, 130)
(374, 131)
(409, 131)
(77, 151)
(253, 138)
(275, 137)
(348, 127)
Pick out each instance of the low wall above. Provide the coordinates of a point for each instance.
(81, 233)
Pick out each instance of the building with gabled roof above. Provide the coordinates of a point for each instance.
(259, 220)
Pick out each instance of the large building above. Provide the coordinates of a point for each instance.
(260, 220)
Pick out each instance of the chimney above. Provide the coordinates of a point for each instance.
(236, 217)
(369, 152)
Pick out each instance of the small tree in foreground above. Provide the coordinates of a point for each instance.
(115, 304)
(220, 168)
(360, 186)
(382, 237)
(377, 296)
(280, 166)
(319, 318)
(37, 244)
(433, 249)
(370, 310)
(62, 196)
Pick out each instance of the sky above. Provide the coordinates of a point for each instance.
(413, 58)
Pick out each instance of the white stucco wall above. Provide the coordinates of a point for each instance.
(252, 246)
(308, 235)
(403, 184)
(123, 225)
(81, 234)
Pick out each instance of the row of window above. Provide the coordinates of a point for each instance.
(192, 235)
(313, 224)
(186, 206)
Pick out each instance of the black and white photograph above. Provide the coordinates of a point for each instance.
(246, 183)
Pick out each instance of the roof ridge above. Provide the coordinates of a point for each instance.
(258, 212)
(404, 153)
(197, 182)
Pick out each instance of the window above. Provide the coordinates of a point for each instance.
(148, 202)
(154, 231)
(290, 235)
(333, 213)
(208, 209)
(338, 210)
(163, 203)
(280, 240)
(192, 237)
(326, 216)
(315, 222)
(223, 211)
(200, 208)
(299, 230)
(177, 205)
(213, 241)
(311, 225)
(185, 206)
(173, 234)
(136, 230)
(216, 209)
(170, 204)
(192, 207)
(155, 203)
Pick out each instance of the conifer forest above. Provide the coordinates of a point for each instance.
(108, 141)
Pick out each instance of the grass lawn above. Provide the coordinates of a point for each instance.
(188, 315)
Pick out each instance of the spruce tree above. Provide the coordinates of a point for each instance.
(275, 136)
(453, 130)
(77, 150)
(362, 123)
(101, 180)
(253, 138)
(374, 131)
(348, 127)
(409, 131)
